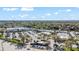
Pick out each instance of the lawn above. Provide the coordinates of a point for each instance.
(16, 41)
(73, 49)
(1, 36)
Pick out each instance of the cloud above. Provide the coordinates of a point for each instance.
(24, 15)
(48, 14)
(33, 17)
(68, 10)
(43, 17)
(10, 9)
(56, 13)
(27, 9)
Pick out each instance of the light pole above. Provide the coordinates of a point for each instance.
(2, 46)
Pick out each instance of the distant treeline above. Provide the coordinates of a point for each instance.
(54, 21)
(49, 25)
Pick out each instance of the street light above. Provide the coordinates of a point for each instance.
(2, 46)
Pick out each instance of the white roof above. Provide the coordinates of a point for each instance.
(46, 33)
(17, 28)
(72, 34)
(74, 46)
(63, 35)
(16, 34)
(77, 42)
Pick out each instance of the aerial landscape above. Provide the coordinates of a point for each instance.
(39, 29)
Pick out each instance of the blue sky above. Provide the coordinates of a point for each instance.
(39, 13)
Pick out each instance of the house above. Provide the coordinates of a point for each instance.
(77, 42)
(17, 35)
(63, 35)
(47, 33)
(73, 34)
(74, 46)
(77, 33)
(44, 33)
(9, 35)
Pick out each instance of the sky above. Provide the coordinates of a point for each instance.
(39, 13)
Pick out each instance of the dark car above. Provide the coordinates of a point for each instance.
(39, 45)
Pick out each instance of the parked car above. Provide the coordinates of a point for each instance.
(39, 45)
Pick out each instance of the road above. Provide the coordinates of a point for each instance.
(7, 46)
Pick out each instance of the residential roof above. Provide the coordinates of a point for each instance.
(63, 35)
